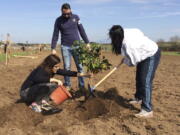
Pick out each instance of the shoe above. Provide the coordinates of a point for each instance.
(144, 114)
(81, 92)
(51, 111)
(48, 109)
(44, 102)
(35, 107)
(80, 95)
(135, 101)
(45, 105)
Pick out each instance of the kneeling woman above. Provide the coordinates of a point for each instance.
(40, 83)
(138, 50)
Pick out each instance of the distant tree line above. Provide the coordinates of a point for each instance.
(1, 42)
(172, 45)
(30, 44)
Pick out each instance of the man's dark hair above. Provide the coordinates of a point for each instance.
(65, 6)
(116, 33)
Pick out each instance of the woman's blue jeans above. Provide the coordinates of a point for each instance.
(144, 79)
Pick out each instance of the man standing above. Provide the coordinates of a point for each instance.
(70, 27)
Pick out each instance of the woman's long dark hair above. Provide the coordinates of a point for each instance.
(116, 33)
(49, 62)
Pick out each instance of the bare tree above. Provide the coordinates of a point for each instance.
(175, 39)
(160, 40)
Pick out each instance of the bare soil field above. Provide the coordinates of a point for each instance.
(107, 114)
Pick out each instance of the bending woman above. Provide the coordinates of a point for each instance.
(138, 50)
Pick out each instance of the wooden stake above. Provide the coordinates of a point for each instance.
(6, 57)
(7, 49)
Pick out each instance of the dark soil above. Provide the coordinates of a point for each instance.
(107, 114)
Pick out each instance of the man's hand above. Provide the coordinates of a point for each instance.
(88, 46)
(53, 51)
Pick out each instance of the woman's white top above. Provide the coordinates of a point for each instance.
(137, 47)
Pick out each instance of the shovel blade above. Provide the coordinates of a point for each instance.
(91, 90)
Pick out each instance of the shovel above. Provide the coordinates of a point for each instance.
(92, 88)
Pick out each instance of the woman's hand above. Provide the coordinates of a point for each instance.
(84, 75)
(59, 82)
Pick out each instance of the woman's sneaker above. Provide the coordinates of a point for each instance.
(48, 109)
(35, 107)
(45, 105)
(144, 114)
(135, 101)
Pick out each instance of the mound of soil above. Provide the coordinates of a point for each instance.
(92, 108)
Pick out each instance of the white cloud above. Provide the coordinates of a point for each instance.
(91, 1)
(105, 1)
(161, 15)
(167, 14)
(140, 1)
(164, 2)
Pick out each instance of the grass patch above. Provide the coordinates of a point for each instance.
(20, 54)
(3, 56)
(171, 53)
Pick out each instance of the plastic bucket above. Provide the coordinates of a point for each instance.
(59, 95)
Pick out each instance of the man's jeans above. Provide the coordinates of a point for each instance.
(67, 53)
(144, 78)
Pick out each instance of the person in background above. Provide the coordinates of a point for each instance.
(69, 26)
(38, 86)
(138, 50)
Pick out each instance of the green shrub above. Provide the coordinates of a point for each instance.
(91, 59)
